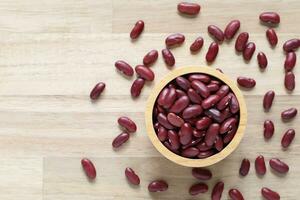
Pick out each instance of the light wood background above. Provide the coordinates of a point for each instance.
(52, 53)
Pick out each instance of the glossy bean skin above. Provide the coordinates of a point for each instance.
(219, 144)
(198, 133)
(192, 111)
(150, 57)
(272, 37)
(228, 125)
(89, 168)
(194, 96)
(235, 194)
(120, 140)
(270, 17)
(162, 96)
(268, 129)
(262, 60)
(137, 29)
(203, 123)
(162, 119)
(190, 152)
(197, 45)
(260, 165)
(289, 114)
(246, 82)
(212, 52)
(215, 114)
(245, 166)
(217, 191)
(223, 91)
(193, 143)
(127, 124)
(289, 81)
(203, 147)
(175, 39)
(198, 188)
(249, 51)
(268, 100)
(290, 61)
(200, 88)
(269, 194)
(210, 101)
(183, 83)
(216, 32)
(173, 139)
(168, 57)
(200, 77)
(224, 102)
(241, 41)
(231, 29)
(234, 104)
(169, 99)
(180, 93)
(185, 134)
(162, 133)
(291, 45)
(175, 120)
(212, 87)
(137, 87)
(212, 133)
(202, 174)
(131, 176)
(188, 8)
(97, 90)
(279, 166)
(124, 67)
(287, 138)
(158, 186)
(180, 104)
(205, 154)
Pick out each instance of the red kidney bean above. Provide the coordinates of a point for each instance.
(290, 61)
(214, 81)
(183, 83)
(156, 125)
(175, 120)
(137, 29)
(231, 29)
(168, 57)
(234, 104)
(174, 40)
(262, 60)
(188, 8)
(137, 87)
(228, 125)
(192, 111)
(194, 96)
(249, 51)
(224, 102)
(226, 114)
(213, 87)
(131, 176)
(260, 165)
(212, 133)
(217, 191)
(291, 45)
(219, 144)
(268, 100)
(144, 72)
(214, 114)
(162, 119)
(235, 194)
(150, 57)
(210, 101)
(173, 139)
(198, 188)
(212, 52)
(190, 152)
(272, 37)
(205, 154)
(223, 91)
(162, 134)
(197, 45)
(289, 81)
(124, 67)
(203, 123)
(216, 32)
(162, 96)
(169, 98)
(198, 134)
(180, 104)
(204, 147)
(278, 165)
(270, 194)
(185, 134)
(269, 17)
(97, 90)
(200, 88)
(199, 77)
(202, 174)
(88, 168)
(168, 146)
(245, 166)
(180, 93)
(241, 41)
(230, 135)
(191, 144)
(246, 82)
(158, 186)
(268, 129)
(127, 124)
(120, 140)
(287, 138)
(289, 113)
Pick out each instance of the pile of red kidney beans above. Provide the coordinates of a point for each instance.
(195, 113)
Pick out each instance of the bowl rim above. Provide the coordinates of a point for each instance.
(188, 161)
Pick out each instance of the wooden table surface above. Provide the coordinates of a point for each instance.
(53, 52)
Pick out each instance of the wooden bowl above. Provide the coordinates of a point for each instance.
(187, 161)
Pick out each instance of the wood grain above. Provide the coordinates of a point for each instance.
(53, 52)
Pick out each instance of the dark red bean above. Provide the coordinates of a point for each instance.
(214, 114)
(216, 32)
(289, 113)
(245, 166)
(124, 67)
(198, 134)
(219, 144)
(217, 191)
(231, 29)
(183, 83)
(272, 37)
(168, 57)
(269, 194)
(202, 174)
(268, 129)
(120, 140)
(279, 165)
(162, 134)
(287, 138)
(249, 51)
(212, 133)
(246, 82)
(234, 104)
(270, 17)
(205, 154)
(212, 52)
(137, 29)
(200, 77)
(260, 165)
(200, 88)
(131, 176)
(223, 91)
(169, 98)
(192, 111)
(174, 40)
(188, 8)
(137, 87)
(198, 188)
(228, 125)
(162, 119)
(268, 100)
(180, 104)
(262, 60)
(97, 90)
(175, 120)
(235, 194)
(144, 72)
(127, 124)
(157, 125)
(158, 186)
(224, 102)
(88, 168)
(180, 93)
(230, 135)
(289, 81)
(173, 139)
(150, 57)
(226, 113)
(290, 61)
(203, 123)
(185, 134)
(212, 87)
(197, 45)
(191, 144)
(194, 96)
(204, 147)
(190, 152)
(241, 41)
(291, 45)
(162, 96)
(210, 101)
(168, 146)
